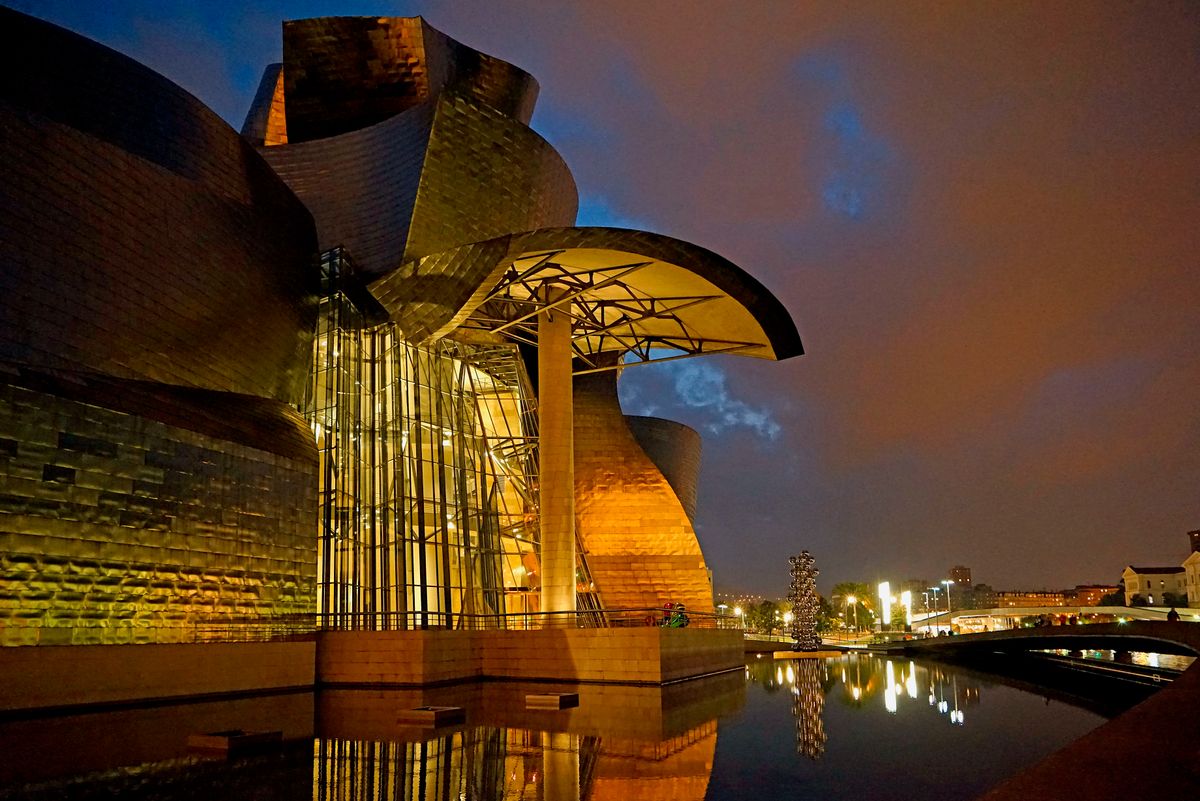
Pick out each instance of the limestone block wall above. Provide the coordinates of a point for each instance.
(636, 533)
(397, 657)
(649, 655)
(33, 678)
(116, 528)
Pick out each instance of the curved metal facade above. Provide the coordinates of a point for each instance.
(675, 450)
(143, 237)
(157, 298)
(636, 534)
(343, 74)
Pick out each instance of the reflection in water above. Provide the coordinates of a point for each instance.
(862, 727)
(863, 679)
(516, 765)
(808, 706)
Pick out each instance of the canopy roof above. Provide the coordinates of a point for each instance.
(627, 291)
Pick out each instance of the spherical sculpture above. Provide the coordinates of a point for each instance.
(805, 604)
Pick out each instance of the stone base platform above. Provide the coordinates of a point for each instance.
(651, 655)
(805, 654)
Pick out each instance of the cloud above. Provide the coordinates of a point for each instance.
(698, 392)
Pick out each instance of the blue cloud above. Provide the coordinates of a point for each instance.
(853, 182)
(698, 392)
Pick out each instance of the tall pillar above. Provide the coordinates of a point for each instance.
(556, 459)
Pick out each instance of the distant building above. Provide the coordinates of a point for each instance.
(1194, 540)
(961, 576)
(1153, 582)
(1025, 598)
(1090, 594)
(983, 597)
(1191, 572)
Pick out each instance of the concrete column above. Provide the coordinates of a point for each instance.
(556, 459)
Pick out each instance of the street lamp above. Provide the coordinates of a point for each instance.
(853, 601)
(935, 591)
(949, 618)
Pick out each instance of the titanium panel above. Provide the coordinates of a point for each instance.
(675, 450)
(638, 539)
(115, 528)
(485, 175)
(347, 73)
(143, 238)
(266, 121)
(361, 186)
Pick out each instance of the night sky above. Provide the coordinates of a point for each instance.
(985, 221)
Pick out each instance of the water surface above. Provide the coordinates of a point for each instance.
(855, 727)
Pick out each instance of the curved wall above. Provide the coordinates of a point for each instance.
(442, 174)
(343, 74)
(637, 537)
(361, 186)
(143, 237)
(675, 450)
(157, 302)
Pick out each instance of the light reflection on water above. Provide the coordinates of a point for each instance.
(855, 727)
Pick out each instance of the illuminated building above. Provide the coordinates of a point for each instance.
(1029, 598)
(1191, 572)
(1151, 583)
(1090, 594)
(355, 361)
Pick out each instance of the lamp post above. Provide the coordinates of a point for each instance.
(949, 619)
(935, 591)
(853, 601)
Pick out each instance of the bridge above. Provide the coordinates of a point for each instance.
(1149, 751)
(1136, 635)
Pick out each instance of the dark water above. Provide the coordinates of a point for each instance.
(855, 727)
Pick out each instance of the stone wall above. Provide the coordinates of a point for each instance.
(35, 678)
(649, 655)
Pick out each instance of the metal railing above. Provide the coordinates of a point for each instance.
(582, 619)
(305, 626)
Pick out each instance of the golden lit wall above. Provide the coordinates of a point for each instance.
(637, 536)
(675, 450)
(158, 290)
(118, 528)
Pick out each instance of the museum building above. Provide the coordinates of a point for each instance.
(352, 368)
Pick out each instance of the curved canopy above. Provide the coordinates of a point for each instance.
(627, 291)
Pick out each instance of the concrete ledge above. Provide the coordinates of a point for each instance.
(1151, 751)
(58, 677)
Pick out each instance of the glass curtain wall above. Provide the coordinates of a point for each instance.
(428, 508)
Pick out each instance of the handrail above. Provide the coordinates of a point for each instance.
(580, 619)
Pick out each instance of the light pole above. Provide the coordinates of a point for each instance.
(853, 601)
(949, 619)
(935, 591)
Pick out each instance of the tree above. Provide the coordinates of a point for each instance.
(1138, 600)
(864, 602)
(1171, 599)
(1112, 599)
(826, 616)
